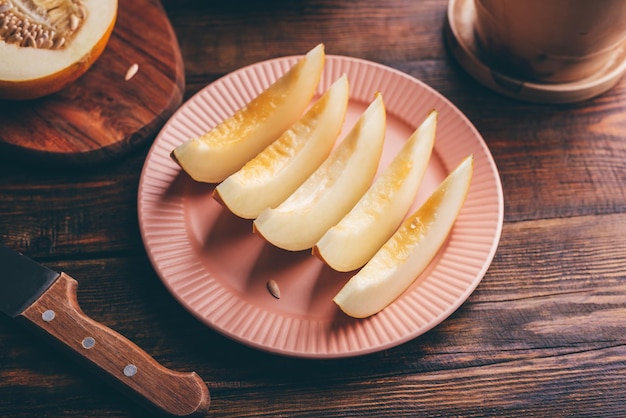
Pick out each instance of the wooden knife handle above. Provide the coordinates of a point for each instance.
(57, 312)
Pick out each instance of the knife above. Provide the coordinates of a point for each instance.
(48, 300)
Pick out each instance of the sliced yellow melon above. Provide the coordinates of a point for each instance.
(276, 172)
(408, 252)
(353, 241)
(47, 44)
(226, 148)
(332, 190)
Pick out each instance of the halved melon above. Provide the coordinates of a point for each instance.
(45, 45)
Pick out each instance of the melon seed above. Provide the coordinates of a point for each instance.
(273, 288)
(132, 70)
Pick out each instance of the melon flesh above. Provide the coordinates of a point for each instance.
(227, 147)
(332, 190)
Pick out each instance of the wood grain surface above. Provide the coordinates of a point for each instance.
(543, 334)
(103, 116)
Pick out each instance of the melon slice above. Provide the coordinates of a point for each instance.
(45, 45)
(223, 150)
(353, 241)
(270, 177)
(332, 190)
(408, 252)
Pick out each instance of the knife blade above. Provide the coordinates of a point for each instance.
(48, 300)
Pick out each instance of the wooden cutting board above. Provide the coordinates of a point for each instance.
(102, 116)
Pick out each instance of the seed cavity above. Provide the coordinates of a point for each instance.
(273, 288)
(43, 24)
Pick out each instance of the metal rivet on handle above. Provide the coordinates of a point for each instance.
(130, 370)
(48, 315)
(89, 342)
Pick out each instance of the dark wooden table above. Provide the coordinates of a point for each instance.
(544, 333)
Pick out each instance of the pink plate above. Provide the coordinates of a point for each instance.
(217, 269)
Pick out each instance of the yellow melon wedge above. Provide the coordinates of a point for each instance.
(332, 190)
(226, 148)
(353, 241)
(408, 252)
(270, 177)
